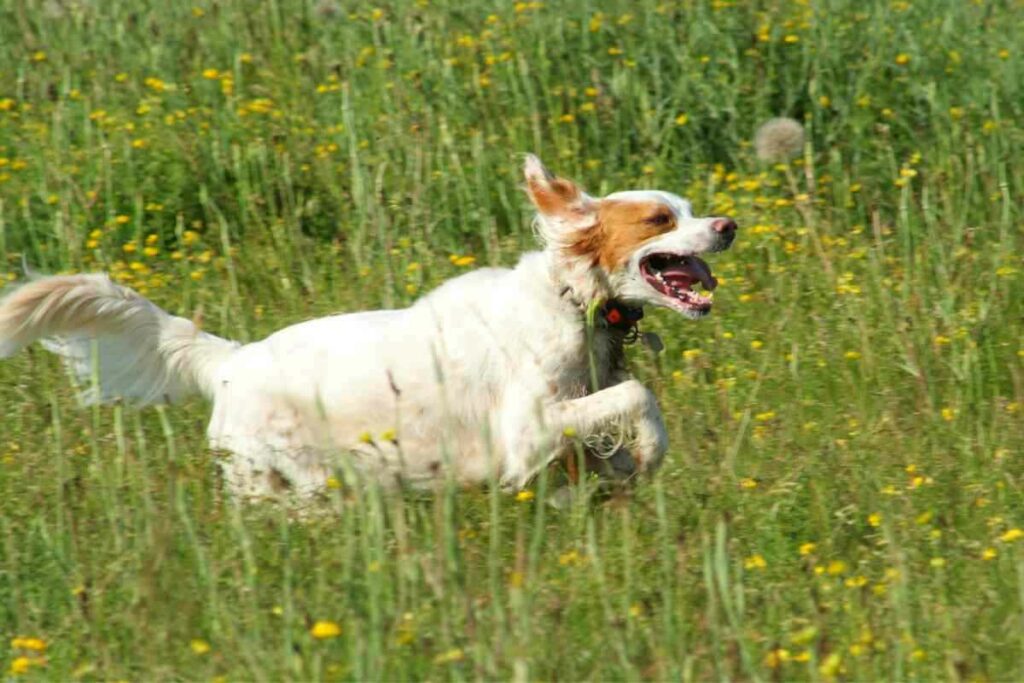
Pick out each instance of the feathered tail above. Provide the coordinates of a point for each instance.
(138, 351)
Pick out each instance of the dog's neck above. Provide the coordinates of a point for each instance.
(584, 286)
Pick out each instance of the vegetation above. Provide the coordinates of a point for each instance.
(843, 495)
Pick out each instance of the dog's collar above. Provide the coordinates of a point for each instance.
(612, 314)
(621, 316)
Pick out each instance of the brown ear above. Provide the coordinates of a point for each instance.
(553, 196)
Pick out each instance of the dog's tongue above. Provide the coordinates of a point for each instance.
(691, 268)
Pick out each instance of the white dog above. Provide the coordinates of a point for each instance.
(490, 377)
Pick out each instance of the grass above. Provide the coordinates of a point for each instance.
(843, 494)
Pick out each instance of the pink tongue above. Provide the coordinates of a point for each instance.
(694, 269)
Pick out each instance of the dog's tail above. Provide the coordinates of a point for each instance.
(120, 343)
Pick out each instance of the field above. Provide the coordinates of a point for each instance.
(844, 495)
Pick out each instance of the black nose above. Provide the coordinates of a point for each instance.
(726, 227)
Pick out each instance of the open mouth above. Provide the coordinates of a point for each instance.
(674, 276)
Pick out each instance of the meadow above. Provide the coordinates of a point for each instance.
(843, 495)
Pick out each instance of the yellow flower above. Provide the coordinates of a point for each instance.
(449, 656)
(199, 646)
(756, 344)
(937, 562)
(948, 414)
(525, 496)
(875, 519)
(325, 629)
(29, 643)
(755, 561)
(748, 483)
(1012, 535)
(38, 56)
(852, 355)
(333, 483)
(830, 667)
(776, 657)
(210, 74)
(902, 58)
(836, 567)
(807, 548)
(682, 119)
(20, 665)
(571, 557)
(989, 554)
(791, 38)
(388, 435)
(462, 261)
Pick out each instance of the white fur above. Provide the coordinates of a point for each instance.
(486, 378)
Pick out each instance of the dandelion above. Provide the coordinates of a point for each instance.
(948, 414)
(757, 344)
(682, 119)
(807, 548)
(199, 646)
(779, 139)
(852, 355)
(755, 561)
(1012, 535)
(748, 483)
(29, 643)
(902, 59)
(450, 656)
(836, 567)
(989, 554)
(776, 657)
(462, 261)
(525, 496)
(323, 630)
(875, 519)
(20, 665)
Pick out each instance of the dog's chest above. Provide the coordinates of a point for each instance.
(581, 359)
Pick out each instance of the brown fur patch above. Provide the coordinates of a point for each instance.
(621, 227)
(555, 197)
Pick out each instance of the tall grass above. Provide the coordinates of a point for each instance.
(843, 494)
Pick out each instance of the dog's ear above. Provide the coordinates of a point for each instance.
(556, 198)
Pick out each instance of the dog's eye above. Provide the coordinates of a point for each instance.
(659, 219)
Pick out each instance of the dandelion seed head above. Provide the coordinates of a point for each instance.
(779, 139)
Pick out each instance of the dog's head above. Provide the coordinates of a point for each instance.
(642, 247)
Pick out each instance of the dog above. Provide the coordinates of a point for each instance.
(489, 378)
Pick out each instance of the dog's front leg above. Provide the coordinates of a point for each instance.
(629, 405)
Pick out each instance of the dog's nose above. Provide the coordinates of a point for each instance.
(725, 227)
